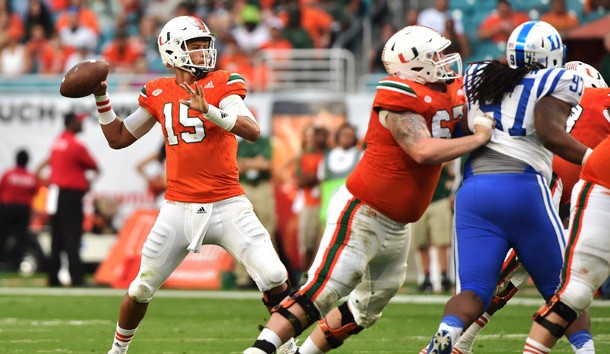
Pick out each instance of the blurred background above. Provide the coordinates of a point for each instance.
(306, 63)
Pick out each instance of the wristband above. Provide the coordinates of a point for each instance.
(586, 156)
(223, 119)
(105, 112)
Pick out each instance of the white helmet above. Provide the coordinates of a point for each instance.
(172, 44)
(591, 76)
(416, 53)
(535, 42)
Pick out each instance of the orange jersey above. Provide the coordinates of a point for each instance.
(201, 156)
(387, 178)
(588, 123)
(597, 167)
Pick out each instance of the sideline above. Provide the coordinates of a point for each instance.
(237, 295)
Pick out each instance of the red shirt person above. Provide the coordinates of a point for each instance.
(68, 183)
(17, 189)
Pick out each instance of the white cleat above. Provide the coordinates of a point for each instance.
(117, 350)
(254, 351)
(290, 347)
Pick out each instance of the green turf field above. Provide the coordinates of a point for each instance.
(41, 320)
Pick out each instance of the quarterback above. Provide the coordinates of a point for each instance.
(363, 252)
(201, 111)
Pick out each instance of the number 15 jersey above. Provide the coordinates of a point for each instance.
(201, 156)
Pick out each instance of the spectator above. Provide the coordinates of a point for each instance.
(294, 32)
(440, 19)
(14, 59)
(318, 23)
(254, 164)
(68, 183)
(499, 25)
(75, 33)
(10, 23)
(387, 30)
(337, 164)
(276, 41)
(38, 13)
(308, 205)
(250, 34)
(83, 51)
(86, 17)
(159, 9)
(17, 189)
(122, 53)
(37, 46)
(433, 229)
(53, 57)
(559, 17)
(152, 169)
(148, 37)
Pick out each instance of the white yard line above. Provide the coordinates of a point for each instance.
(212, 294)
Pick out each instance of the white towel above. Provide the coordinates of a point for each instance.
(197, 222)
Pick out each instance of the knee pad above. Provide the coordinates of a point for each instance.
(311, 312)
(578, 296)
(140, 292)
(562, 310)
(272, 300)
(336, 336)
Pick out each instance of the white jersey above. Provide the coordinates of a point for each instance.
(515, 132)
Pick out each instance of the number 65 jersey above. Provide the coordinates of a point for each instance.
(387, 179)
(515, 132)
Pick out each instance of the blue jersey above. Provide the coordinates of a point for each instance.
(515, 133)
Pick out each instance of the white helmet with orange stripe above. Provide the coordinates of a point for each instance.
(591, 76)
(173, 44)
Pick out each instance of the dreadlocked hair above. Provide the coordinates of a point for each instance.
(494, 79)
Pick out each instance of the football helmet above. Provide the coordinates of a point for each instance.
(416, 53)
(591, 76)
(535, 42)
(173, 49)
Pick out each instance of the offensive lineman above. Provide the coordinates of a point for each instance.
(363, 252)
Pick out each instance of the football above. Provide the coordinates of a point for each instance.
(84, 78)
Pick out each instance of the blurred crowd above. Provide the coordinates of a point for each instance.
(49, 36)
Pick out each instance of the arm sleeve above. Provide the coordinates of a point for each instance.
(235, 104)
(139, 122)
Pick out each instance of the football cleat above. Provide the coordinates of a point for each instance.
(424, 351)
(441, 343)
(117, 350)
(254, 351)
(290, 347)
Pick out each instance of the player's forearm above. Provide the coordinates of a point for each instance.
(246, 128)
(117, 135)
(437, 151)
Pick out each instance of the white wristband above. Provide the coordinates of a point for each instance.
(105, 113)
(223, 119)
(586, 156)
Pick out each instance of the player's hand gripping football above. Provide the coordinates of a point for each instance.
(197, 101)
(101, 89)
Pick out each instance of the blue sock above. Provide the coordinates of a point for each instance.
(579, 338)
